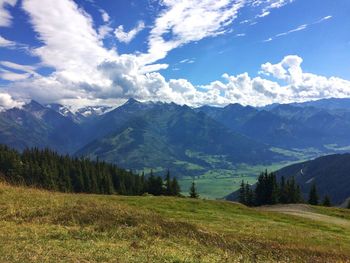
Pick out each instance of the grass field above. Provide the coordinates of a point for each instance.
(40, 226)
(215, 184)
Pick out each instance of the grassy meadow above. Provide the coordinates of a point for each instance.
(42, 226)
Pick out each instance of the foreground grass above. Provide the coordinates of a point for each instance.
(40, 226)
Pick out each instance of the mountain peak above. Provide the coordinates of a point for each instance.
(131, 101)
(33, 106)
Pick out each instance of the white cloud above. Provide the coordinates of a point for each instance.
(6, 43)
(185, 21)
(126, 37)
(24, 68)
(104, 31)
(297, 29)
(104, 15)
(268, 5)
(324, 19)
(5, 16)
(7, 73)
(12, 76)
(298, 86)
(85, 72)
(187, 61)
(7, 102)
(70, 44)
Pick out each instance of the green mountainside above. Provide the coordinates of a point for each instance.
(175, 137)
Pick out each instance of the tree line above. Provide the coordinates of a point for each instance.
(268, 191)
(49, 170)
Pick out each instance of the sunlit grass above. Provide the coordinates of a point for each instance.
(40, 226)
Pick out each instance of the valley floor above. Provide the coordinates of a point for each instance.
(41, 226)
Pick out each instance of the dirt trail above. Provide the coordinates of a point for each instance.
(306, 211)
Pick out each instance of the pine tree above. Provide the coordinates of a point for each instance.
(249, 194)
(266, 190)
(326, 201)
(175, 187)
(193, 191)
(155, 184)
(313, 196)
(348, 206)
(242, 194)
(168, 190)
(283, 198)
(49, 170)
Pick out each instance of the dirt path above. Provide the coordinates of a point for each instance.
(306, 211)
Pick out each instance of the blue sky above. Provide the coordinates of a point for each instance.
(191, 52)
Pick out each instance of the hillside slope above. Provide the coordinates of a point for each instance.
(40, 226)
(330, 174)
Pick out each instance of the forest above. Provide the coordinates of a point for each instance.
(48, 170)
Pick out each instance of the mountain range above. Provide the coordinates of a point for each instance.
(189, 141)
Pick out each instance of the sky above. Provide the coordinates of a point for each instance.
(194, 52)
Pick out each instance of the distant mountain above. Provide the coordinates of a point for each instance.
(171, 136)
(34, 125)
(330, 173)
(93, 111)
(286, 125)
(328, 104)
(66, 112)
(111, 120)
(80, 115)
(166, 135)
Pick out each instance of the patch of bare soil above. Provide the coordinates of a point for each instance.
(305, 211)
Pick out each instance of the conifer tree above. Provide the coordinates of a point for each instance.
(348, 206)
(175, 187)
(242, 194)
(249, 195)
(313, 196)
(193, 190)
(168, 186)
(283, 198)
(326, 201)
(49, 170)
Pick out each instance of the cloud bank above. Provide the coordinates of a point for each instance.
(85, 72)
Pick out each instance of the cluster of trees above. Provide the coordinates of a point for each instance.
(268, 191)
(315, 200)
(156, 186)
(49, 170)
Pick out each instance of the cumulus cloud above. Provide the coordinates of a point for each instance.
(71, 45)
(126, 37)
(297, 85)
(7, 102)
(85, 72)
